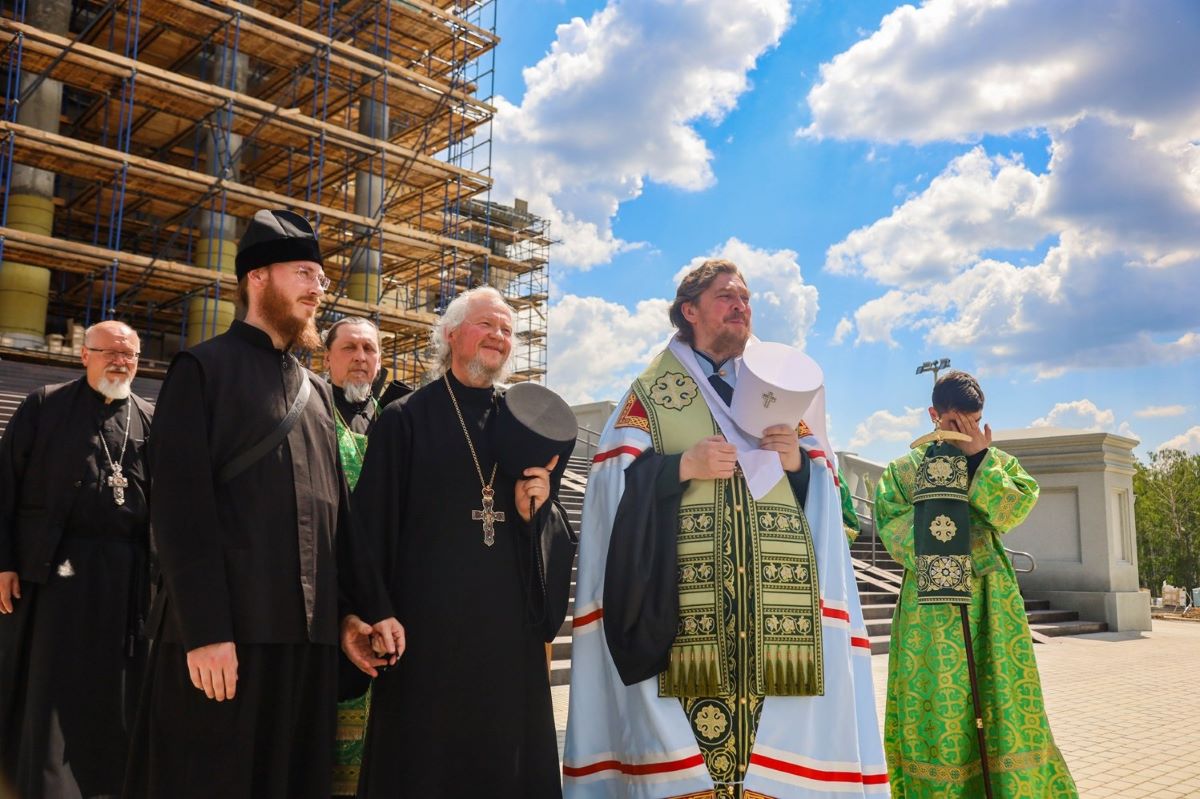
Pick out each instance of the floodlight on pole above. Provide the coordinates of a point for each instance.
(934, 366)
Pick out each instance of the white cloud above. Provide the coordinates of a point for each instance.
(1119, 201)
(614, 103)
(956, 69)
(883, 425)
(597, 348)
(1160, 411)
(784, 306)
(977, 203)
(1188, 441)
(844, 328)
(1083, 414)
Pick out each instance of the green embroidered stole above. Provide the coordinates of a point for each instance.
(353, 448)
(778, 583)
(942, 527)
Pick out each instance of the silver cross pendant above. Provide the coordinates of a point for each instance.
(118, 483)
(489, 516)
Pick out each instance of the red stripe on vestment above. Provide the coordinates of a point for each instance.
(588, 618)
(634, 769)
(614, 453)
(818, 774)
(835, 613)
(865, 643)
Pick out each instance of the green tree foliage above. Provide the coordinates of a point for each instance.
(1168, 519)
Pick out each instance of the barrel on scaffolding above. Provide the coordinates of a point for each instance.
(24, 288)
(206, 318)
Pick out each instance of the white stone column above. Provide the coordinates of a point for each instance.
(1082, 531)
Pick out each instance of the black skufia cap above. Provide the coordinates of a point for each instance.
(533, 425)
(274, 237)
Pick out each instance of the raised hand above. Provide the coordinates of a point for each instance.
(981, 439)
(709, 458)
(535, 486)
(783, 439)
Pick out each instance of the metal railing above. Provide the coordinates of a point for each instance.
(590, 440)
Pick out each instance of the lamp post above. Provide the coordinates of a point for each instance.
(934, 366)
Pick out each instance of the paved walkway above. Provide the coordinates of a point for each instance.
(1124, 708)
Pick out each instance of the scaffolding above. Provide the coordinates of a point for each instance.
(179, 119)
(520, 244)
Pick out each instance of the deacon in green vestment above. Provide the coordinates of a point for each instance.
(360, 390)
(929, 732)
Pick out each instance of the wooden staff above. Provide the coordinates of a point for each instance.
(979, 733)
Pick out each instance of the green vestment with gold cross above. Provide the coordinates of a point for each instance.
(351, 714)
(929, 729)
(749, 603)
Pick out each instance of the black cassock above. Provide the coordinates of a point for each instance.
(72, 653)
(466, 711)
(260, 560)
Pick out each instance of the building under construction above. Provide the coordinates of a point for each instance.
(139, 136)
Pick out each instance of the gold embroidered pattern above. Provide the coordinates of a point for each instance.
(803, 430)
(943, 528)
(631, 418)
(1015, 761)
(674, 391)
(711, 721)
(941, 572)
(942, 472)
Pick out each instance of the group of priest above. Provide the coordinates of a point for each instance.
(355, 540)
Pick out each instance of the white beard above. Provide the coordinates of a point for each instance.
(115, 388)
(357, 392)
(480, 372)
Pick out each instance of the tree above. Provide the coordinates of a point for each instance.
(1168, 518)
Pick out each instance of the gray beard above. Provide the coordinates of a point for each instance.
(115, 389)
(480, 373)
(357, 392)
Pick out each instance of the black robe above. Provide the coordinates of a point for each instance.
(466, 711)
(259, 560)
(361, 416)
(72, 652)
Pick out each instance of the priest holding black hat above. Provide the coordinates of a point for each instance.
(252, 526)
(458, 498)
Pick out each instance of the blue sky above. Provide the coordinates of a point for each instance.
(1014, 186)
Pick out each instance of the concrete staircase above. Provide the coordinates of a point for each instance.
(18, 379)
(878, 576)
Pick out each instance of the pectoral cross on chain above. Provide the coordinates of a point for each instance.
(768, 398)
(118, 483)
(489, 516)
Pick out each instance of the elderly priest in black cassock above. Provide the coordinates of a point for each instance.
(251, 521)
(478, 583)
(74, 530)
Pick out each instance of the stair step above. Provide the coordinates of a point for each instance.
(876, 597)
(560, 674)
(1037, 604)
(878, 611)
(560, 648)
(1050, 616)
(1062, 628)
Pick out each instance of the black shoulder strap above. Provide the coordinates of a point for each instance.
(248, 457)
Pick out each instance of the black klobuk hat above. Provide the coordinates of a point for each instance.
(534, 424)
(274, 237)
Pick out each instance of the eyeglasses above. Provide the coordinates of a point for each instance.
(114, 355)
(309, 275)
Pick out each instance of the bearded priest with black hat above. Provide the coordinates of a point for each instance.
(252, 526)
(478, 554)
